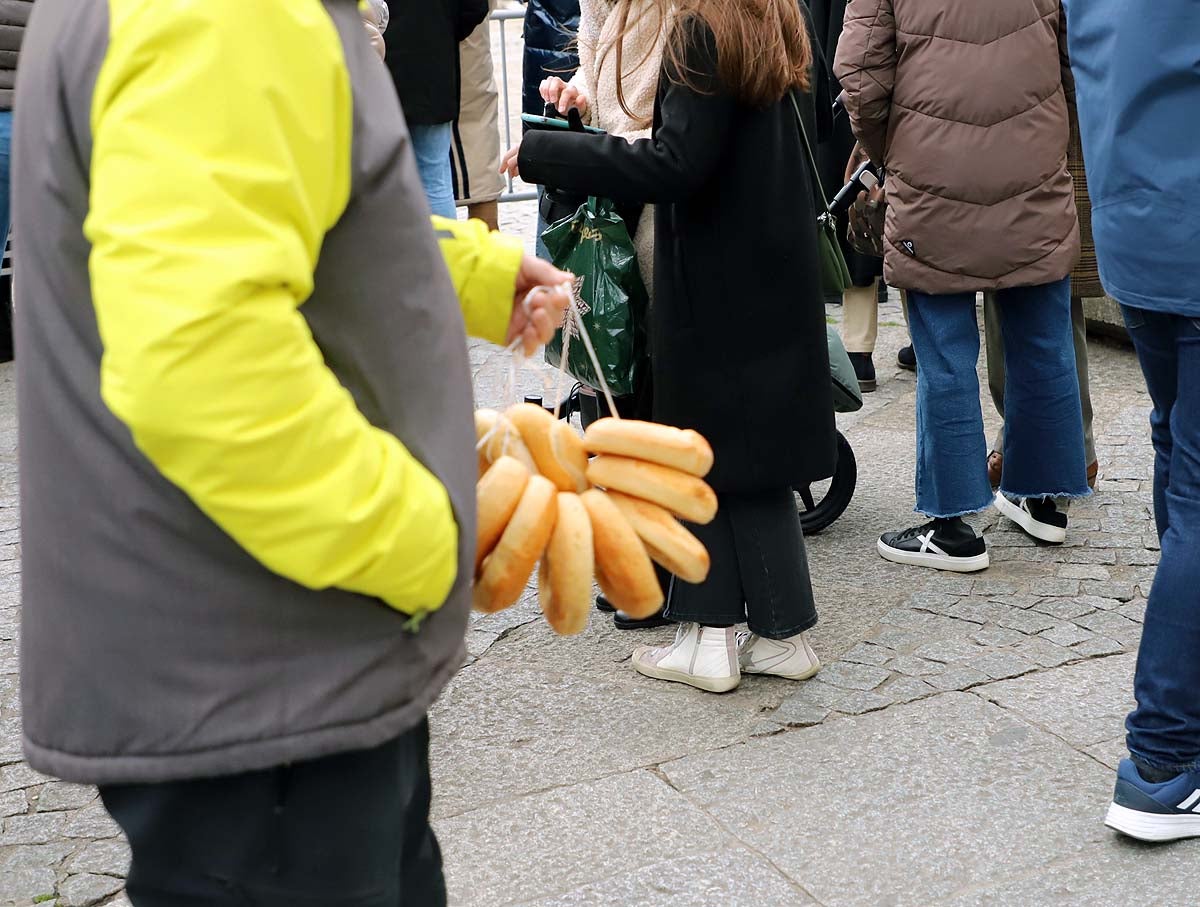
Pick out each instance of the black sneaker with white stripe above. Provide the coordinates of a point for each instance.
(1039, 517)
(942, 544)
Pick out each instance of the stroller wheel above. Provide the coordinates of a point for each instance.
(823, 502)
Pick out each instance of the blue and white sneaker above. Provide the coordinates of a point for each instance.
(1155, 812)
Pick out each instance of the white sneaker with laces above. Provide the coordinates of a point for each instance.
(792, 658)
(702, 657)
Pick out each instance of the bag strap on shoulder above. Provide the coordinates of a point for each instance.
(812, 160)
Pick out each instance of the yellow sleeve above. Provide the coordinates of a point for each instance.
(221, 157)
(484, 268)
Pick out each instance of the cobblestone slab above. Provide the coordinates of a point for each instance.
(904, 806)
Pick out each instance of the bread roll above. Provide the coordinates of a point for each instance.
(667, 542)
(623, 567)
(503, 440)
(684, 495)
(558, 458)
(507, 568)
(497, 495)
(565, 577)
(679, 448)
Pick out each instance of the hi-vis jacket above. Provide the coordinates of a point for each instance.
(245, 406)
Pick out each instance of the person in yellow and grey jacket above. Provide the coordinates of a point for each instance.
(246, 443)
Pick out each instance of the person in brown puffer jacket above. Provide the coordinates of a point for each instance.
(966, 105)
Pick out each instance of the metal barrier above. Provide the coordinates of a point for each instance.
(501, 17)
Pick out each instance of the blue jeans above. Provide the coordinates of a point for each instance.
(1043, 447)
(539, 247)
(431, 144)
(1164, 729)
(5, 195)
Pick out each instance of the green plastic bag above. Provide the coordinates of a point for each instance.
(594, 245)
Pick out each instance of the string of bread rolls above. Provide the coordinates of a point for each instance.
(609, 518)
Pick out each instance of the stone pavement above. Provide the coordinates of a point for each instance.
(957, 749)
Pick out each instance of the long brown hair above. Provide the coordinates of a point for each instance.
(762, 46)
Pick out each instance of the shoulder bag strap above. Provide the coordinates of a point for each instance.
(812, 161)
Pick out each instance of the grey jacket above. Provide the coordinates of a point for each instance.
(154, 647)
(13, 16)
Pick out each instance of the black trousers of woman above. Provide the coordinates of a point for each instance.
(759, 568)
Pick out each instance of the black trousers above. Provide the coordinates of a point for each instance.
(759, 568)
(350, 830)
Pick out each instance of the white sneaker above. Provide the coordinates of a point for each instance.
(792, 658)
(702, 657)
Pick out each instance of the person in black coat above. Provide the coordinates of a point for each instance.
(737, 330)
(422, 56)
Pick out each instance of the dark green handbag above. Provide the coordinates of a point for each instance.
(835, 275)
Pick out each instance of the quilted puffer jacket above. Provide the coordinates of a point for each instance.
(13, 16)
(550, 28)
(966, 102)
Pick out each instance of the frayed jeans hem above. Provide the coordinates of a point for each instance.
(1057, 495)
(952, 516)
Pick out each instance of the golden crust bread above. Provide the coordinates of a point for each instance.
(565, 577)
(539, 429)
(507, 568)
(623, 567)
(686, 496)
(502, 440)
(678, 448)
(497, 495)
(571, 455)
(668, 543)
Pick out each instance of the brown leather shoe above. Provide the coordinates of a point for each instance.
(1093, 474)
(995, 467)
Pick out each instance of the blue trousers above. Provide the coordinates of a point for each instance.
(1043, 447)
(431, 144)
(1164, 729)
(5, 195)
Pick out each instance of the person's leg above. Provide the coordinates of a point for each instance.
(994, 346)
(720, 599)
(1079, 333)
(431, 145)
(1153, 335)
(951, 450)
(906, 358)
(704, 653)
(1155, 797)
(951, 474)
(539, 246)
(1043, 455)
(1164, 730)
(5, 197)
(772, 563)
(860, 318)
(350, 830)
(780, 608)
(860, 329)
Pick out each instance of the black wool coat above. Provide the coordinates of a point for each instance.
(833, 150)
(737, 329)
(422, 54)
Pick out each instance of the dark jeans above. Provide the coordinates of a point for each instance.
(1043, 448)
(759, 568)
(1164, 729)
(350, 830)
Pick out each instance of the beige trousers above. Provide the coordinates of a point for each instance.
(860, 317)
(475, 150)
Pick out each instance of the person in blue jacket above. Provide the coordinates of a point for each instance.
(550, 30)
(1138, 86)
